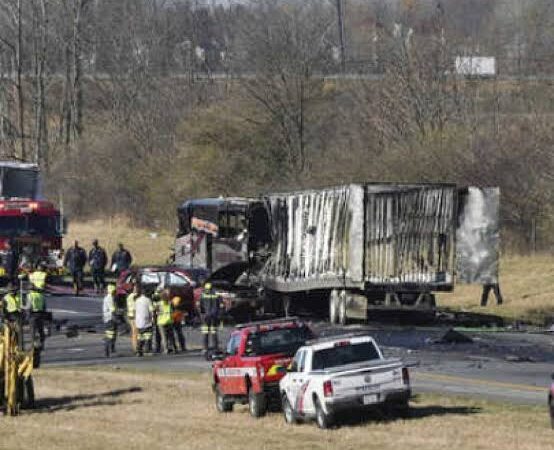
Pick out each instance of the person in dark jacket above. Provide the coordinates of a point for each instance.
(121, 259)
(75, 260)
(11, 262)
(97, 259)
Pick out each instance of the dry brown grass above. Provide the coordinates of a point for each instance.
(108, 409)
(145, 248)
(527, 285)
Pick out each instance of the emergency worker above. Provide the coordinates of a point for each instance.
(143, 319)
(210, 305)
(487, 288)
(97, 259)
(11, 306)
(165, 322)
(11, 261)
(75, 260)
(110, 320)
(178, 315)
(121, 259)
(131, 301)
(156, 301)
(37, 301)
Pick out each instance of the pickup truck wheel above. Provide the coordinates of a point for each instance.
(257, 404)
(323, 420)
(221, 403)
(288, 413)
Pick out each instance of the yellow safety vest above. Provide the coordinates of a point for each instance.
(12, 303)
(37, 301)
(164, 315)
(131, 300)
(38, 279)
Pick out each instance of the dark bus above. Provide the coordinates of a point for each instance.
(216, 232)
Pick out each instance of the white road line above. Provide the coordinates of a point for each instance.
(69, 311)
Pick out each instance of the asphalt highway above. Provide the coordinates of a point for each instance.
(507, 366)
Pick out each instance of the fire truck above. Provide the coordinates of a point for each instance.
(32, 225)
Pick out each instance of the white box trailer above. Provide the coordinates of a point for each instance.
(393, 243)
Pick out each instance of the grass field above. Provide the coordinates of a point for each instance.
(527, 285)
(146, 246)
(112, 409)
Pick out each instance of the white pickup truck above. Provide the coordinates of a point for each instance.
(343, 373)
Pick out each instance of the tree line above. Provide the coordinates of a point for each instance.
(132, 106)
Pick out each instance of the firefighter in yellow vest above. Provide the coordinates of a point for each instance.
(165, 322)
(131, 300)
(110, 320)
(11, 306)
(178, 317)
(37, 302)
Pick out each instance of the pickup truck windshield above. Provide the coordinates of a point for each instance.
(283, 340)
(343, 355)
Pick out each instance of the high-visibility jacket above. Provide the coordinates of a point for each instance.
(12, 303)
(37, 302)
(210, 303)
(164, 314)
(131, 301)
(108, 308)
(38, 279)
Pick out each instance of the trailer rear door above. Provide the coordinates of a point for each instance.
(478, 235)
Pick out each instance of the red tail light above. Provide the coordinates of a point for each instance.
(405, 375)
(328, 389)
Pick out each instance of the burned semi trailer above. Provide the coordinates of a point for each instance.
(363, 244)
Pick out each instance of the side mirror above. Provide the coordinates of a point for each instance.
(219, 356)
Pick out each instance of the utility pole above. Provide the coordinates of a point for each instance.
(340, 22)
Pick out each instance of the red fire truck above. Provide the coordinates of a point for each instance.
(33, 226)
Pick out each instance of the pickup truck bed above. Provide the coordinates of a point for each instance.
(318, 387)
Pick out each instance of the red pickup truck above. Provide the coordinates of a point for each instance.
(255, 360)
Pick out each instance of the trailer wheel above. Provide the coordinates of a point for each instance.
(341, 309)
(286, 305)
(426, 300)
(333, 307)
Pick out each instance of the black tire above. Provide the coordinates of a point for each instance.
(552, 412)
(288, 412)
(428, 301)
(257, 404)
(221, 404)
(323, 420)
